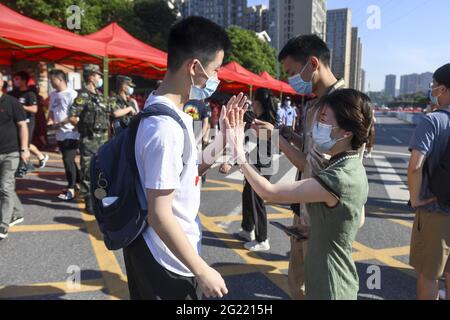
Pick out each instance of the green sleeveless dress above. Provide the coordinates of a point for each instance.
(330, 272)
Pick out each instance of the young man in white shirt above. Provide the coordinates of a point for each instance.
(67, 135)
(164, 262)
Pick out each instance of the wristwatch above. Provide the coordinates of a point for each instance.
(285, 132)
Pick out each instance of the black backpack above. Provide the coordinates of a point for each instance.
(115, 177)
(439, 179)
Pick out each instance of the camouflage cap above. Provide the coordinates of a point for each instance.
(122, 79)
(92, 68)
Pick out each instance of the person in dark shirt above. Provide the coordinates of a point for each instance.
(13, 146)
(254, 215)
(28, 99)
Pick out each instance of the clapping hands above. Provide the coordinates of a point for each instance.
(232, 119)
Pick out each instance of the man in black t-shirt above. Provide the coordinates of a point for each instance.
(13, 146)
(28, 99)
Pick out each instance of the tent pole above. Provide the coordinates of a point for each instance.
(251, 92)
(105, 77)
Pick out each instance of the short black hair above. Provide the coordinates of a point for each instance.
(442, 75)
(57, 73)
(353, 112)
(195, 37)
(25, 76)
(302, 47)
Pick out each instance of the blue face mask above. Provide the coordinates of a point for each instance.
(434, 100)
(322, 139)
(299, 85)
(198, 93)
(99, 83)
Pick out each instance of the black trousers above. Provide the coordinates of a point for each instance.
(69, 149)
(254, 214)
(148, 280)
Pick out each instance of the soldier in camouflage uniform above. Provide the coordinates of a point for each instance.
(122, 98)
(91, 114)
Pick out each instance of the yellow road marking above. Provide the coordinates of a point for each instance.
(115, 280)
(238, 217)
(217, 189)
(236, 186)
(46, 173)
(382, 256)
(47, 227)
(258, 264)
(40, 289)
(35, 192)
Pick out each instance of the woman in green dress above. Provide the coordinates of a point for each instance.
(334, 197)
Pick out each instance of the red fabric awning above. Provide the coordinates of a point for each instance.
(129, 55)
(234, 72)
(22, 38)
(281, 85)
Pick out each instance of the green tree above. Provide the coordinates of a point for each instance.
(251, 52)
(150, 22)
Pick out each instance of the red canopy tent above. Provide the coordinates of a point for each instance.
(22, 38)
(237, 73)
(281, 85)
(126, 54)
(237, 78)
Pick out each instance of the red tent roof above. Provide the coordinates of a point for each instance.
(282, 86)
(22, 38)
(240, 74)
(127, 54)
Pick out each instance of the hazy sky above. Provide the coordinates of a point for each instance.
(414, 36)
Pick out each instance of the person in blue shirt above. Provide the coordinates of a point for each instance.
(287, 114)
(430, 240)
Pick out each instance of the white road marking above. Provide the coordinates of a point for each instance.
(397, 140)
(395, 187)
(392, 153)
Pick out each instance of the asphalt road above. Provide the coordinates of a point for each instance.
(57, 244)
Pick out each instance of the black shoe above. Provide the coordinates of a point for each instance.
(3, 232)
(43, 162)
(15, 220)
(89, 209)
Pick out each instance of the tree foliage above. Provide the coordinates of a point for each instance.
(251, 52)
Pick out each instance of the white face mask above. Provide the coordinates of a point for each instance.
(130, 90)
(322, 139)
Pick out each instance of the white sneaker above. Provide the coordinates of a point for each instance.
(249, 236)
(442, 295)
(368, 155)
(256, 246)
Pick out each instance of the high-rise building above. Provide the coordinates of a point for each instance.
(223, 12)
(256, 18)
(390, 85)
(425, 79)
(289, 18)
(414, 83)
(339, 40)
(363, 80)
(355, 61)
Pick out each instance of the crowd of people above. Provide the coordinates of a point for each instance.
(324, 139)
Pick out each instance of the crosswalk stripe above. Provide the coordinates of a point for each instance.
(396, 188)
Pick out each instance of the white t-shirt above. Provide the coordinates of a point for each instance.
(59, 104)
(159, 150)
